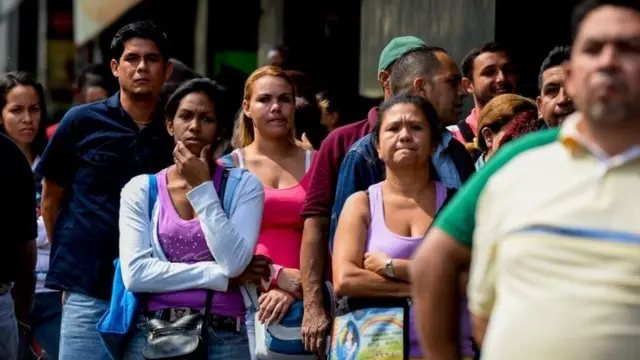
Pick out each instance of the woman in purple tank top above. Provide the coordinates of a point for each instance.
(185, 244)
(379, 230)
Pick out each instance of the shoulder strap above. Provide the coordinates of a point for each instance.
(230, 180)
(222, 190)
(466, 131)
(307, 161)
(240, 158)
(153, 192)
(441, 195)
(227, 160)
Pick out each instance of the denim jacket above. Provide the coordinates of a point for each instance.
(362, 167)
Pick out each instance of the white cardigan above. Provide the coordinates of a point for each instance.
(232, 241)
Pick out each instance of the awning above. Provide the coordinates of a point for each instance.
(90, 17)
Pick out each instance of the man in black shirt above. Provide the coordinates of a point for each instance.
(17, 245)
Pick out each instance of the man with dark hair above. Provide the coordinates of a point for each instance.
(562, 250)
(554, 105)
(488, 71)
(17, 246)
(95, 151)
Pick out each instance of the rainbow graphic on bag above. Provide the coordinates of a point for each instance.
(372, 334)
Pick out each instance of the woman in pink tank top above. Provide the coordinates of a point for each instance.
(270, 151)
(379, 230)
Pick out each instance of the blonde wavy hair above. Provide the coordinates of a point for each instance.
(244, 132)
(498, 112)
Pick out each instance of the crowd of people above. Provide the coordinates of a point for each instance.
(160, 219)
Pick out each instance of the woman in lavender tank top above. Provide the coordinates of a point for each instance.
(379, 230)
(185, 244)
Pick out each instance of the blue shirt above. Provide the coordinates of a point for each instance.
(95, 151)
(451, 164)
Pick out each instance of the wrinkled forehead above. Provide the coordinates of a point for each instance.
(554, 75)
(402, 113)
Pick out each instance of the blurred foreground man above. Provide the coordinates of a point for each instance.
(555, 259)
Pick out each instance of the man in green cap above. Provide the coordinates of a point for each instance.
(319, 202)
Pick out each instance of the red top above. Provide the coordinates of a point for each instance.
(324, 179)
(472, 120)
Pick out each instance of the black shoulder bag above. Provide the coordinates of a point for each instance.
(181, 339)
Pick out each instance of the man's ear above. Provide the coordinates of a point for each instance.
(168, 70)
(420, 87)
(539, 105)
(385, 80)
(114, 67)
(468, 85)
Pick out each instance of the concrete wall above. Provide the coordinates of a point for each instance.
(456, 25)
(9, 26)
(271, 28)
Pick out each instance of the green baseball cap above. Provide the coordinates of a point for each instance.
(396, 48)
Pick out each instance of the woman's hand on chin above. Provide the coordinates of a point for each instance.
(194, 169)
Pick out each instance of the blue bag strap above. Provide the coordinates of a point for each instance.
(227, 161)
(153, 192)
(231, 179)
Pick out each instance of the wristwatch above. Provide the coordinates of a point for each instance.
(389, 270)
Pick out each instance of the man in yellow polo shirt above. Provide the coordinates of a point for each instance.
(550, 221)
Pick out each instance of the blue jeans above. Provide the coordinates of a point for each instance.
(221, 344)
(251, 329)
(45, 322)
(79, 339)
(8, 328)
(45, 326)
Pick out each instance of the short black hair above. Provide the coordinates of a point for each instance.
(7, 83)
(97, 75)
(216, 94)
(420, 62)
(421, 103)
(490, 47)
(141, 30)
(583, 9)
(556, 57)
